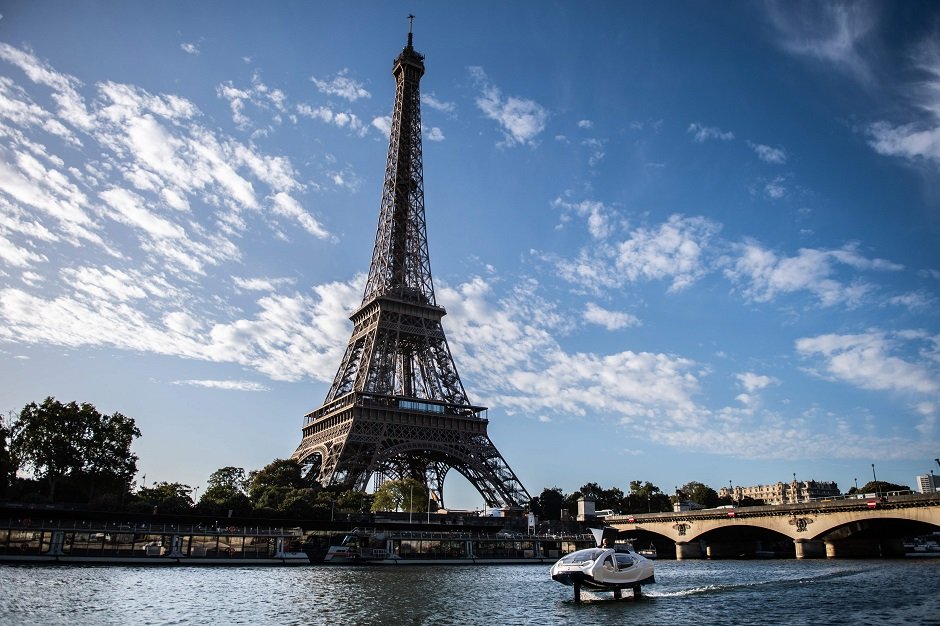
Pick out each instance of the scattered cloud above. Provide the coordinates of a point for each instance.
(919, 140)
(833, 33)
(429, 99)
(768, 154)
(341, 85)
(189, 48)
(871, 360)
(341, 119)
(258, 95)
(775, 188)
(676, 250)
(585, 124)
(521, 120)
(764, 275)
(598, 215)
(701, 134)
(611, 320)
(230, 385)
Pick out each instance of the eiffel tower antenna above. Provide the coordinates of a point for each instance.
(397, 408)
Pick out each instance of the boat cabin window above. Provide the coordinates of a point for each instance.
(624, 561)
(590, 554)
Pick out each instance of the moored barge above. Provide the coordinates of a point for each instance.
(369, 546)
(113, 543)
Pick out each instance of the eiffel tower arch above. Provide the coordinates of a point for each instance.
(397, 407)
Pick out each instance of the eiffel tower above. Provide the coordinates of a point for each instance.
(397, 408)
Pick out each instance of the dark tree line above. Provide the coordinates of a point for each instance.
(72, 451)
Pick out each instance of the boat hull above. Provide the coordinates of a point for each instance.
(601, 569)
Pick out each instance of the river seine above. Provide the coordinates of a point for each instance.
(905, 591)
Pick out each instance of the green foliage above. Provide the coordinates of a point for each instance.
(7, 469)
(702, 494)
(548, 505)
(277, 477)
(73, 441)
(880, 486)
(166, 498)
(225, 491)
(646, 497)
(405, 495)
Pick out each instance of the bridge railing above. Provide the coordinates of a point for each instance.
(896, 499)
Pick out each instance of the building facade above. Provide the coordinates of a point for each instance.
(927, 483)
(783, 493)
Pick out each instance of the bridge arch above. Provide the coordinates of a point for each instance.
(834, 528)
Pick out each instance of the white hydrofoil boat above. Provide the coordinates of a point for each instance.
(604, 569)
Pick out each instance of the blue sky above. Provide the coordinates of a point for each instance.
(676, 241)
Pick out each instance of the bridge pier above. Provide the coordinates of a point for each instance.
(810, 549)
(864, 548)
(688, 550)
(731, 549)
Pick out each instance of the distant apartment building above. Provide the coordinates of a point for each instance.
(783, 493)
(927, 483)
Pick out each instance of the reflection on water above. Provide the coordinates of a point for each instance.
(708, 592)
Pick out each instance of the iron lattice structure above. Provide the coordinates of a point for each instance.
(397, 407)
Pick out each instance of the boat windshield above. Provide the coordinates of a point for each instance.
(581, 556)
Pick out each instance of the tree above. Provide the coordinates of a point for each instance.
(279, 475)
(225, 491)
(166, 498)
(56, 441)
(645, 496)
(6, 461)
(880, 486)
(407, 495)
(548, 505)
(700, 493)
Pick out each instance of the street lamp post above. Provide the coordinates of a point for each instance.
(730, 493)
(856, 486)
(877, 488)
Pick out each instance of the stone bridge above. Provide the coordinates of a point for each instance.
(864, 527)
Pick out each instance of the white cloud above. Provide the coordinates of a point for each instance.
(917, 140)
(290, 337)
(261, 284)
(611, 320)
(432, 101)
(768, 154)
(775, 189)
(869, 360)
(340, 119)
(598, 216)
(673, 250)
(189, 48)
(383, 125)
(765, 276)
(755, 382)
(520, 119)
(510, 351)
(585, 124)
(435, 134)
(833, 33)
(258, 95)
(701, 134)
(676, 250)
(229, 385)
(341, 85)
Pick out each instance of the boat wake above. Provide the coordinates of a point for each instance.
(731, 587)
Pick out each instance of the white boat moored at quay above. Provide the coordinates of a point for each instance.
(365, 546)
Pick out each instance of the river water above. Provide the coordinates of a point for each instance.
(904, 591)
